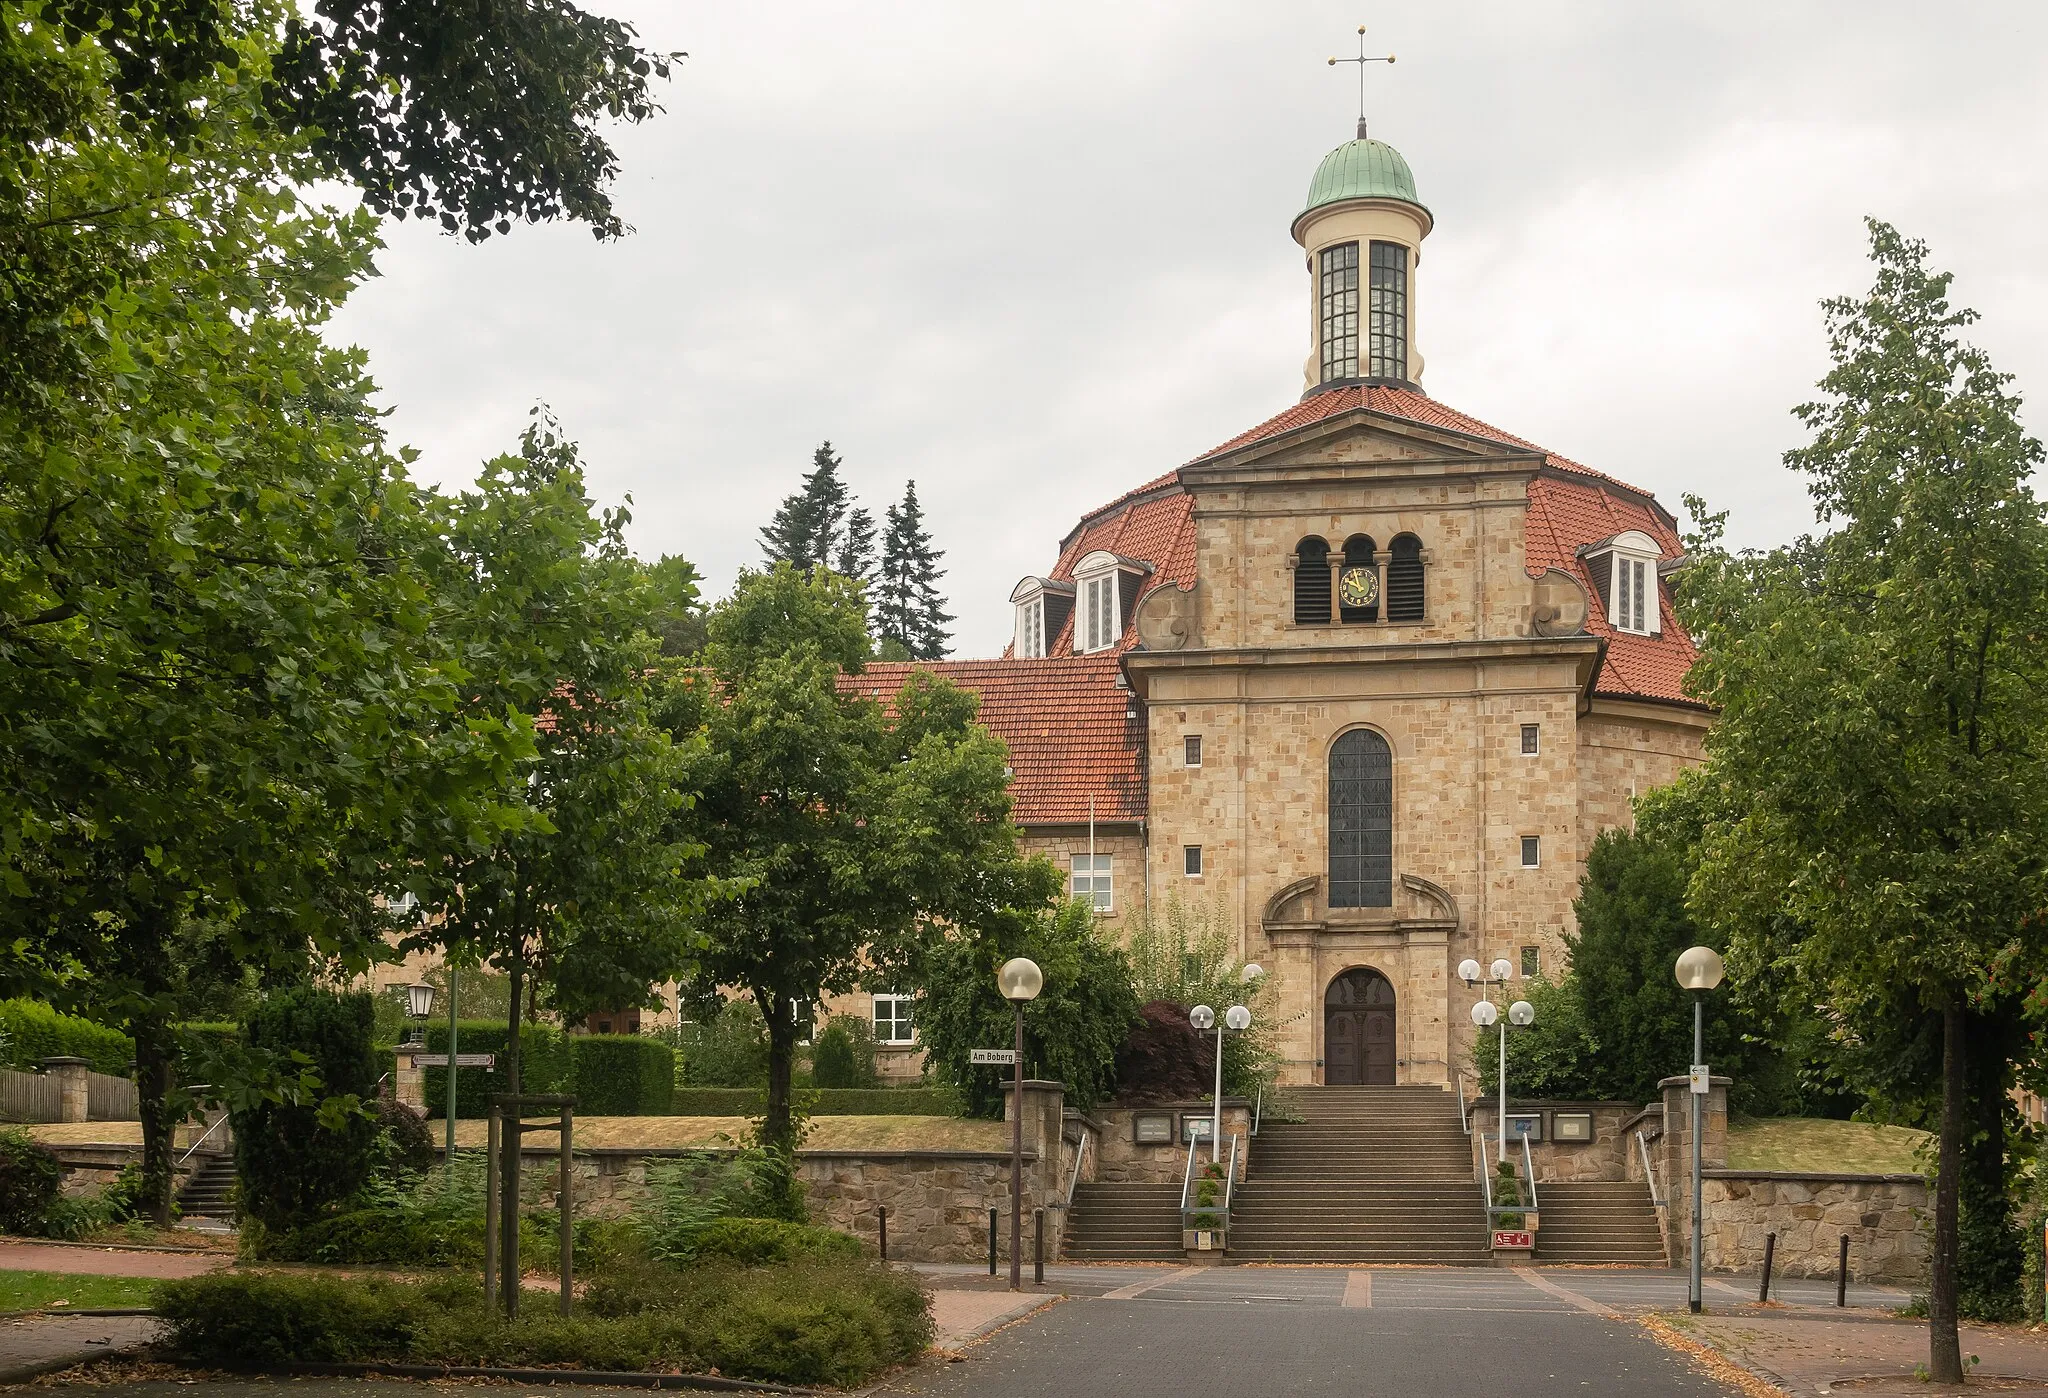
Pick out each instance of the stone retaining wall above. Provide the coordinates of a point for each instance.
(1605, 1157)
(1884, 1216)
(1116, 1156)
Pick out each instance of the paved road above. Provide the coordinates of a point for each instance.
(1245, 1332)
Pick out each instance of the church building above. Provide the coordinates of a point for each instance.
(1367, 678)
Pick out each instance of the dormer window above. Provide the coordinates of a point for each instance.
(1042, 607)
(1106, 590)
(1624, 571)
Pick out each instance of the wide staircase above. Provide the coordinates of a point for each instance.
(1598, 1222)
(210, 1192)
(1370, 1174)
(1124, 1222)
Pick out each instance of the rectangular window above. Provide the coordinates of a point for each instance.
(1192, 745)
(1532, 962)
(1092, 882)
(1387, 350)
(1531, 851)
(1633, 581)
(892, 1019)
(1340, 312)
(1099, 630)
(1530, 736)
(1031, 628)
(1191, 860)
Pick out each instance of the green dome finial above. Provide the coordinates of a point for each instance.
(1362, 169)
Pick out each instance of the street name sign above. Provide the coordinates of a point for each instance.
(1699, 1083)
(1006, 1057)
(462, 1060)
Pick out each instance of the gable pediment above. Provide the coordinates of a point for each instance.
(1361, 442)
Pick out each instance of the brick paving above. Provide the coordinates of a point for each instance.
(1815, 1351)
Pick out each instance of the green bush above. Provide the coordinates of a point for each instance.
(621, 1075)
(830, 1101)
(543, 1065)
(32, 1031)
(844, 1056)
(725, 1049)
(240, 1319)
(293, 1169)
(30, 1181)
(753, 1241)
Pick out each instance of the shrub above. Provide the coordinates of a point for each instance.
(753, 1241)
(543, 1065)
(1187, 955)
(844, 1055)
(688, 1195)
(1164, 1058)
(244, 1319)
(32, 1031)
(405, 1140)
(31, 1179)
(621, 1075)
(725, 1049)
(830, 1101)
(293, 1168)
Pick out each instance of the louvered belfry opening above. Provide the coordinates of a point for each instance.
(1312, 583)
(1404, 579)
(1361, 821)
(1360, 552)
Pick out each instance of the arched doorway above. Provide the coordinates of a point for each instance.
(1358, 1029)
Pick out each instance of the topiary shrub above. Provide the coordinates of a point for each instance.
(844, 1056)
(31, 1179)
(621, 1075)
(1164, 1058)
(32, 1031)
(293, 1168)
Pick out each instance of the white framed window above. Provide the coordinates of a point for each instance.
(1532, 739)
(892, 1019)
(1191, 749)
(1031, 628)
(1091, 882)
(1191, 861)
(1099, 615)
(1532, 851)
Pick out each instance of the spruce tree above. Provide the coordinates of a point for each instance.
(807, 527)
(856, 557)
(909, 609)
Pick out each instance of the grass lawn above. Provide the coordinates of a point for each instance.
(827, 1132)
(28, 1291)
(1809, 1145)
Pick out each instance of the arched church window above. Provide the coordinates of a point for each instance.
(1361, 821)
(1311, 582)
(1404, 579)
(1387, 314)
(1339, 287)
(1358, 582)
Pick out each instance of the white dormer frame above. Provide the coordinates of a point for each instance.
(1632, 589)
(1035, 624)
(1098, 613)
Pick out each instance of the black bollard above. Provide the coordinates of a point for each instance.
(1038, 1247)
(1763, 1292)
(991, 1242)
(882, 1230)
(1842, 1274)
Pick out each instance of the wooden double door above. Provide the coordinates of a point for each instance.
(1358, 1030)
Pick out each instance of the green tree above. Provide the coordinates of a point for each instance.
(856, 555)
(298, 1162)
(909, 608)
(809, 530)
(1184, 954)
(1882, 826)
(851, 831)
(677, 618)
(1556, 1056)
(578, 897)
(1072, 1031)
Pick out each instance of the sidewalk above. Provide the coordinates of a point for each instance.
(1812, 1350)
(102, 1261)
(35, 1345)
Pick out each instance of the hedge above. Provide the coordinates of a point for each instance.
(543, 1065)
(33, 1031)
(621, 1075)
(292, 1169)
(825, 1101)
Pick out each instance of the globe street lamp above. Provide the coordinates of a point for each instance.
(1020, 980)
(1236, 1019)
(1484, 1015)
(1699, 970)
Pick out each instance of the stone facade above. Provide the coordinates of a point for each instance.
(1116, 1156)
(1885, 1217)
(1604, 1157)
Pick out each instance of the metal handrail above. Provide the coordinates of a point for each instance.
(1187, 1180)
(222, 1121)
(1080, 1157)
(1464, 1121)
(1258, 1109)
(1230, 1180)
(1529, 1165)
(1649, 1173)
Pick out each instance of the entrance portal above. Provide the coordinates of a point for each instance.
(1358, 1029)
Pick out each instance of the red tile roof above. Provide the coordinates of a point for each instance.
(1158, 529)
(1072, 732)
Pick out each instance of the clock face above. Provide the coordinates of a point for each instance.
(1358, 587)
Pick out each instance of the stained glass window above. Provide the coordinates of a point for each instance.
(1361, 821)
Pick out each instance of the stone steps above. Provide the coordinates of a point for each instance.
(1598, 1221)
(1124, 1222)
(210, 1191)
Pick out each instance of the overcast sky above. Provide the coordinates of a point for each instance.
(1034, 255)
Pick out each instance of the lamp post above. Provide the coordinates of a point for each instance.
(453, 973)
(1236, 1019)
(1020, 980)
(1699, 970)
(1484, 1015)
(419, 1003)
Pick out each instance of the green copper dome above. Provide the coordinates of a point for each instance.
(1362, 169)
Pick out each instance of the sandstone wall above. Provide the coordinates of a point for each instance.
(1885, 1218)
(1605, 1157)
(1115, 1155)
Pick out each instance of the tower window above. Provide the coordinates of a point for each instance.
(1191, 750)
(1340, 311)
(1387, 348)
(1404, 580)
(1311, 583)
(1532, 851)
(1532, 962)
(1361, 821)
(1191, 860)
(1530, 739)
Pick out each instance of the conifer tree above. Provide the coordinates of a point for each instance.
(809, 525)
(909, 609)
(856, 555)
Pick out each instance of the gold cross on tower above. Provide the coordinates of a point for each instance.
(1361, 61)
